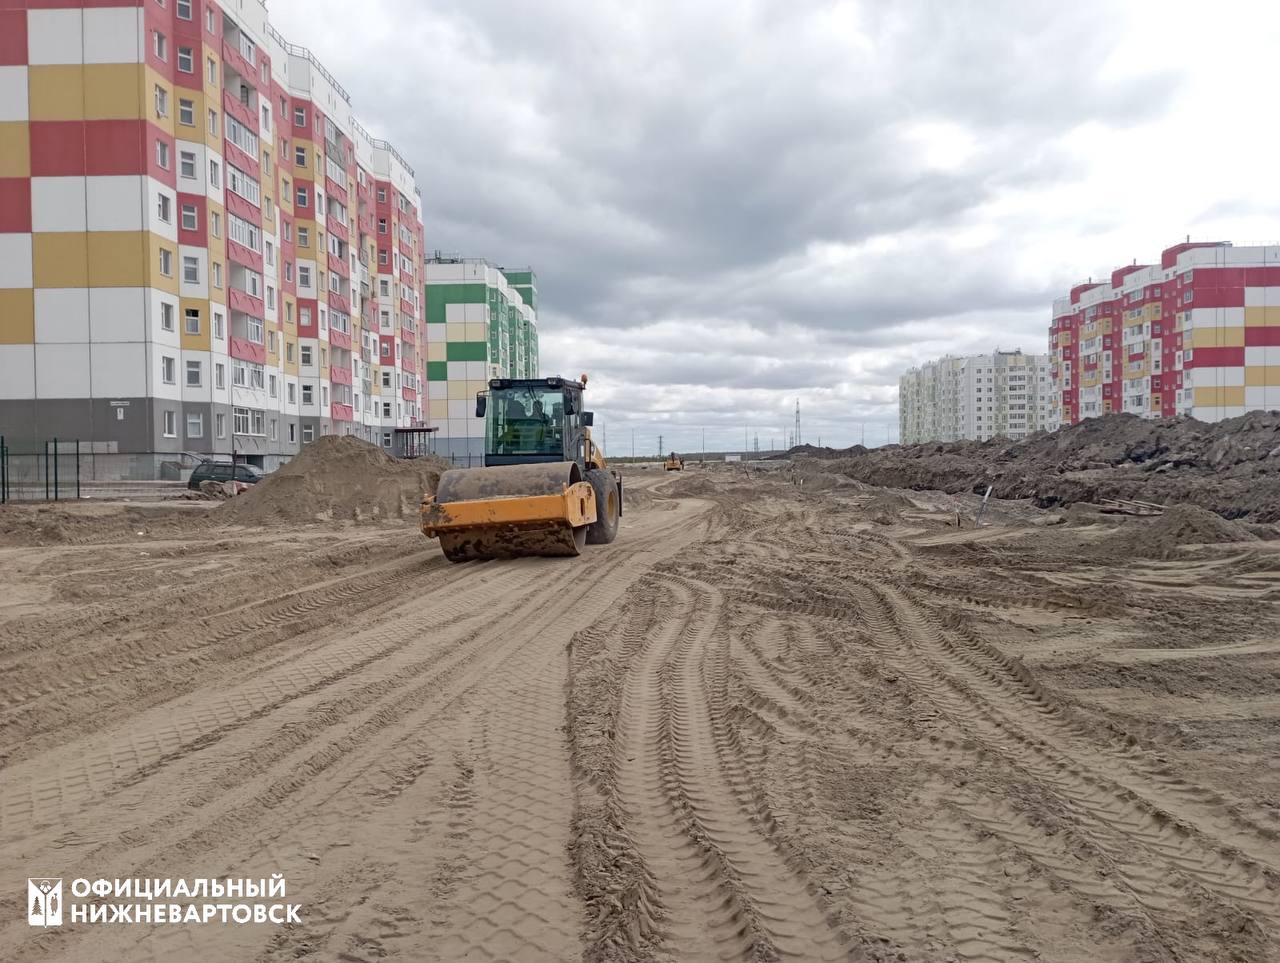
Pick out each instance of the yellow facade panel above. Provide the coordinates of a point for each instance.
(1262, 376)
(1220, 397)
(153, 277)
(458, 391)
(55, 92)
(1232, 337)
(60, 259)
(436, 351)
(203, 340)
(116, 92)
(1262, 317)
(217, 292)
(152, 80)
(121, 259)
(15, 149)
(17, 316)
(437, 408)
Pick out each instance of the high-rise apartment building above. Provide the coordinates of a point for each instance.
(481, 323)
(201, 249)
(1002, 394)
(1197, 334)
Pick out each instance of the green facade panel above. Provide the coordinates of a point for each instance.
(466, 351)
(437, 371)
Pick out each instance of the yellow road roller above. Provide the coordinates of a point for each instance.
(544, 488)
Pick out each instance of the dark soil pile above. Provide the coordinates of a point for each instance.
(336, 479)
(1231, 468)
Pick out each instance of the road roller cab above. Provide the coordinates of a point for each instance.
(544, 488)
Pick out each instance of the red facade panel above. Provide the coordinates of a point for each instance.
(13, 37)
(15, 205)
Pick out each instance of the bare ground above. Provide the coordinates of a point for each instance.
(771, 721)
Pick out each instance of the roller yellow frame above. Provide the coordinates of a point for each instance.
(572, 507)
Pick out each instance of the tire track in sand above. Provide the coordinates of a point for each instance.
(727, 892)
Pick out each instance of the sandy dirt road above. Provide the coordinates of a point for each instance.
(769, 722)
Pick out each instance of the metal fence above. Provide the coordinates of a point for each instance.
(50, 473)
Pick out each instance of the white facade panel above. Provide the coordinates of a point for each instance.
(113, 35)
(62, 315)
(118, 314)
(55, 37)
(14, 100)
(18, 362)
(62, 370)
(165, 229)
(15, 261)
(115, 204)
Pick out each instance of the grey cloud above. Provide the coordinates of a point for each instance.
(666, 161)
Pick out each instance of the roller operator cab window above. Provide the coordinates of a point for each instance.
(525, 421)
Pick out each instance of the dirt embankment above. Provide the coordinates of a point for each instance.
(336, 479)
(1229, 467)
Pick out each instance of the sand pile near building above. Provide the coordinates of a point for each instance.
(336, 479)
(1230, 467)
(1163, 536)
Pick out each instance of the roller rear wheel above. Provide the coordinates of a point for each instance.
(608, 507)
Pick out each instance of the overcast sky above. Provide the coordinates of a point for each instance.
(731, 205)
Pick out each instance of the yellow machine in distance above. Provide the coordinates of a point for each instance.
(674, 462)
(544, 488)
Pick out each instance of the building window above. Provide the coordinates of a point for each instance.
(240, 421)
(302, 197)
(305, 352)
(293, 431)
(220, 425)
(161, 45)
(214, 179)
(271, 297)
(268, 209)
(215, 224)
(166, 316)
(288, 270)
(217, 275)
(300, 156)
(190, 270)
(213, 123)
(183, 8)
(299, 117)
(162, 154)
(382, 257)
(186, 112)
(382, 195)
(253, 329)
(162, 102)
(219, 376)
(195, 426)
(304, 276)
(269, 253)
(273, 429)
(272, 386)
(208, 24)
(291, 391)
(192, 320)
(170, 424)
(168, 370)
(186, 164)
(166, 262)
(304, 237)
(386, 379)
(306, 394)
(186, 62)
(308, 433)
(194, 374)
(164, 208)
(211, 70)
(217, 325)
(189, 219)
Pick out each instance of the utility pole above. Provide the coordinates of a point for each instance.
(633, 444)
(660, 449)
(704, 441)
(797, 421)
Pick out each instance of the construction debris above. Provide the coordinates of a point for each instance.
(1231, 468)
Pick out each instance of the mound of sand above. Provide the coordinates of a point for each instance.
(336, 479)
(1180, 525)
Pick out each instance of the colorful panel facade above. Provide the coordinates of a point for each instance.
(1192, 335)
(478, 326)
(189, 245)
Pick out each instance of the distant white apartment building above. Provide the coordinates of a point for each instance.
(1003, 394)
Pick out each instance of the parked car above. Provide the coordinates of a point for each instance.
(220, 471)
